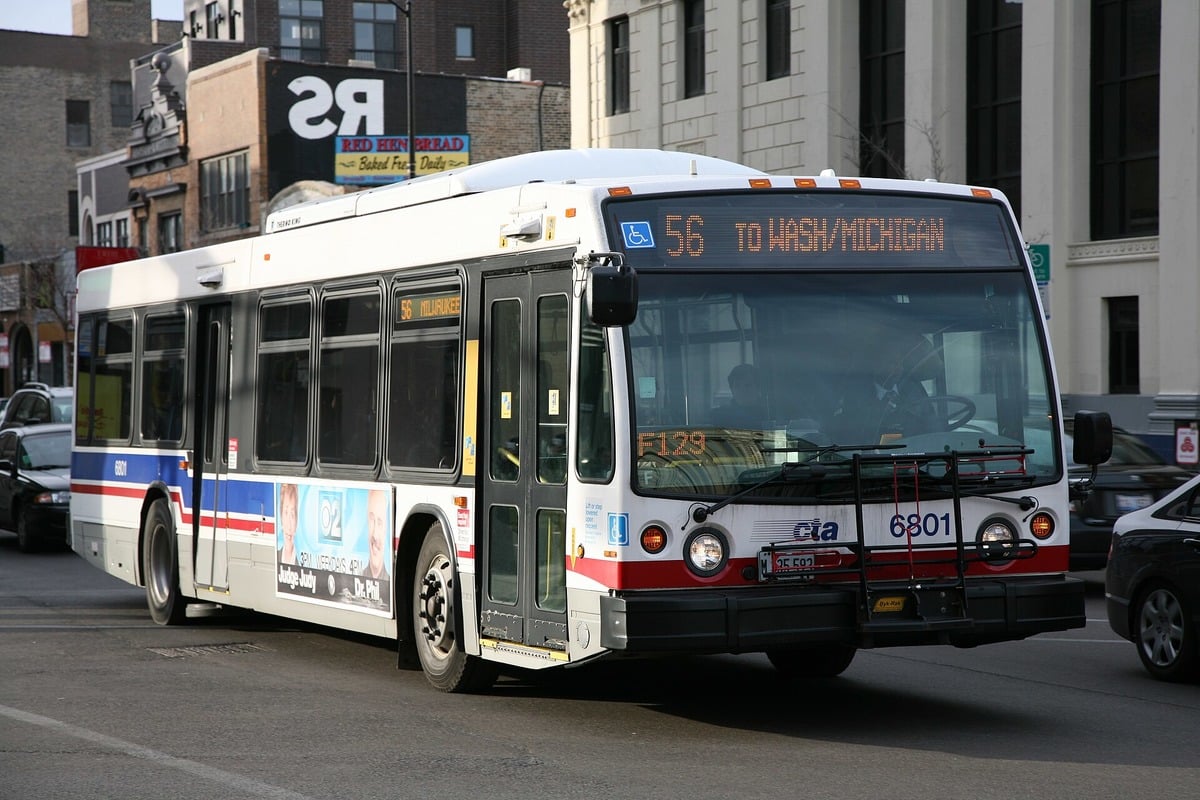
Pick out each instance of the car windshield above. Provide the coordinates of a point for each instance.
(1128, 451)
(61, 409)
(735, 374)
(46, 450)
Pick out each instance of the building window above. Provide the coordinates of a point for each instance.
(618, 65)
(122, 232)
(225, 192)
(779, 38)
(881, 115)
(212, 20)
(170, 232)
(1123, 372)
(994, 97)
(1125, 78)
(120, 95)
(300, 29)
(79, 125)
(104, 234)
(73, 213)
(693, 48)
(375, 34)
(464, 41)
(233, 15)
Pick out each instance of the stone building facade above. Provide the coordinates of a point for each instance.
(1084, 112)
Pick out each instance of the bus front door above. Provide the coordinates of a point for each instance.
(523, 466)
(210, 459)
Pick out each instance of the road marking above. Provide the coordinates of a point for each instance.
(238, 782)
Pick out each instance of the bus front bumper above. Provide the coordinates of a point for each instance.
(789, 615)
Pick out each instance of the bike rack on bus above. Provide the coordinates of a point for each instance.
(909, 593)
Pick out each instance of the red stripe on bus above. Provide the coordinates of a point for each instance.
(263, 526)
(674, 575)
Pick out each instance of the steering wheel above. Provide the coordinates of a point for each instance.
(963, 408)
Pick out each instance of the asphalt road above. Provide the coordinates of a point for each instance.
(98, 702)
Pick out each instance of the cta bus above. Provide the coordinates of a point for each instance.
(590, 403)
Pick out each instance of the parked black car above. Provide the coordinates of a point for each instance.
(35, 483)
(1133, 478)
(1152, 583)
(35, 403)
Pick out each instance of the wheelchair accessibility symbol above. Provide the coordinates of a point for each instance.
(618, 529)
(637, 234)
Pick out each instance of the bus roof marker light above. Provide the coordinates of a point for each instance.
(850, 183)
(760, 183)
(620, 191)
(806, 183)
(986, 194)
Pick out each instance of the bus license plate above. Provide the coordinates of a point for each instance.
(781, 563)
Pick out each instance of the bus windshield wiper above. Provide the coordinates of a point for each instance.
(999, 483)
(811, 470)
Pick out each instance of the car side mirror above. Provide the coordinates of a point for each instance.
(1093, 435)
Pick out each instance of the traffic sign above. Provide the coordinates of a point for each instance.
(1039, 257)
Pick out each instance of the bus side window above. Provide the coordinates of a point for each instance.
(283, 380)
(594, 433)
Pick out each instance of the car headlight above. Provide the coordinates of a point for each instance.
(705, 552)
(997, 540)
(52, 498)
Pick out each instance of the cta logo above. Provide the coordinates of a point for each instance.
(814, 530)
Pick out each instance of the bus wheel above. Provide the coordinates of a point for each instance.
(815, 662)
(435, 621)
(160, 565)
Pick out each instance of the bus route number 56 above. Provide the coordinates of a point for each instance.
(685, 234)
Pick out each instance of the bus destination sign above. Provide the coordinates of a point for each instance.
(799, 230)
(427, 306)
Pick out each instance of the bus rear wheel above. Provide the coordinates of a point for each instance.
(436, 621)
(828, 661)
(160, 565)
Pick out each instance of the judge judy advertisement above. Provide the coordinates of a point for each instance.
(334, 545)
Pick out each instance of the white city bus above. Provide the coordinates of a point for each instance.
(586, 403)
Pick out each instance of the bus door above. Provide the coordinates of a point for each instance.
(210, 459)
(524, 376)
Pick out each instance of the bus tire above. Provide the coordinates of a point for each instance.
(436, 619)
(160, 565)
(827, 661)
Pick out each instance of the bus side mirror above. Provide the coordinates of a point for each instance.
(612, 294)
(1093, 436)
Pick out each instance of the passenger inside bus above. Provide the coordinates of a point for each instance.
(745, 408)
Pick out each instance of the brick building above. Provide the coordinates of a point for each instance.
(131, 163)
(65, 99)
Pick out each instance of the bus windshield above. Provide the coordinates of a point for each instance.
(735, 374)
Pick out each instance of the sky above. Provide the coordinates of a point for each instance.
(54, 16)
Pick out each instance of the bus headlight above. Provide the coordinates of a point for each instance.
(997, 540)
(705, 552)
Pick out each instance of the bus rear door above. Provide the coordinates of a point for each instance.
(211, 456)
(522, 484)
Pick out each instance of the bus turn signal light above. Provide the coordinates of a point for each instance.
(1042, 526)
(654, 539)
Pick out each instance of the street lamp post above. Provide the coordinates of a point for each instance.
(406, 10)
